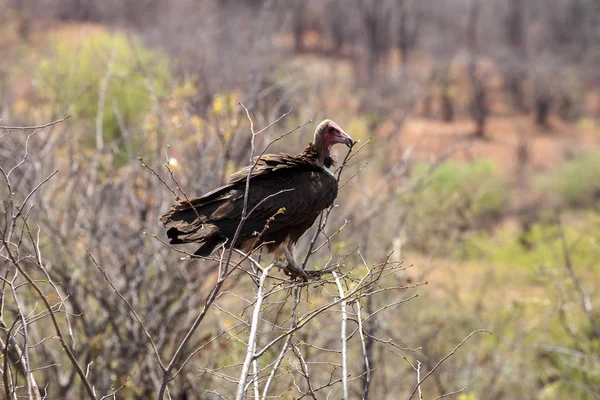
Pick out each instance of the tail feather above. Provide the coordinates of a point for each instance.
(209, 246)
(173, 235)
(183, 228)
(207, 235)
(190, 221)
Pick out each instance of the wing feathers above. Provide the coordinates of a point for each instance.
(213, 218)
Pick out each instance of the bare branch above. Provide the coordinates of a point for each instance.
(136, 316)
(251, 348)
(343, 336)
(23, 128)
(420, 382)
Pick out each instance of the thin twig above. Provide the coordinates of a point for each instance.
(114, 392)
(22, 128)
(286, 345)
(586, 303)
(138, 319)
(450, 394)
(364, 351)
(61, 338)
(444, 359)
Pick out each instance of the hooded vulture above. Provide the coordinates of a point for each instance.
(286, 194)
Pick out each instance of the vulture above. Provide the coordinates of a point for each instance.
(285, 196)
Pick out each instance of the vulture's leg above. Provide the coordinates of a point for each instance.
(292, 265)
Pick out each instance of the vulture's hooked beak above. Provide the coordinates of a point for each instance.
(346, 139)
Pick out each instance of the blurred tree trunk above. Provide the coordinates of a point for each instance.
(479, 108)
(298, 25)
(515, 24)
(569, 28)
(428, 106)
(472, 21)
(514, 84)
(22, 10)
(376, 22)
(447, 95)
(570, 103)
(542, 110)
(409, 21)
(566, 108)
(373, 46)
(79, 10)
(516, 35)
(337, 22)
(542, 103)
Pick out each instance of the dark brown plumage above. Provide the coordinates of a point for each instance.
(300, 187)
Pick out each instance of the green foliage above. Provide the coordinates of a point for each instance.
(538, 273)
(475, 185)
(454, 197)
(71, 78)
(545, 246)
(576, 182)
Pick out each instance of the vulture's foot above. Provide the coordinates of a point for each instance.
(299, 273)
(292, 269)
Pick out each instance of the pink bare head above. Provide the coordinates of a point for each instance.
(330, 133)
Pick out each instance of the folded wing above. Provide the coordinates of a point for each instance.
(285, 196)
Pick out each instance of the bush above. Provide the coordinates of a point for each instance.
(548, 281)
(71, 79)
(576, 183)
(454, 198)
(545, 250)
